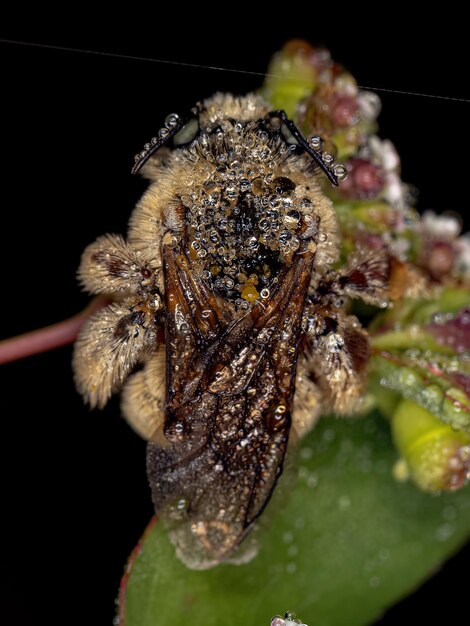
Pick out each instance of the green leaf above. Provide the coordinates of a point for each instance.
(429, 379)
(421, 351)
(348, 543)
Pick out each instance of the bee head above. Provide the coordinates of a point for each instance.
(211, 115)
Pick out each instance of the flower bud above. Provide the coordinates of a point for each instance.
(290, 77)
(434, 455)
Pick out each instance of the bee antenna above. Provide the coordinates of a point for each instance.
(314, 147)
(173, 124)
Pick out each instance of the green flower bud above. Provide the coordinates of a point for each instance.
(434, 455)
(291, 77)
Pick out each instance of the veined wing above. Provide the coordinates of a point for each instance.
(230, 384)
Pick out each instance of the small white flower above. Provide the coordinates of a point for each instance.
(462, 265)
(384, 152)
(369, 104)
(390, 158)
(400, 247)
(394, 190)
(441, 226)
(345, 84)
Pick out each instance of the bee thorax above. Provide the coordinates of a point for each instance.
(248, 212)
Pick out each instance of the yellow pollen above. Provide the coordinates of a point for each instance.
(249, 292)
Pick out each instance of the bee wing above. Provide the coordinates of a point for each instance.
(227, 418)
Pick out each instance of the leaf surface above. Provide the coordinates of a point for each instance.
(346, 544)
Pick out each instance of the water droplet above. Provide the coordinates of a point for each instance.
(293, 550)
(291, 568)
(312, 481)
(340, 171)
(369, 566)
(329, 435)
(171, 120)
(344, 503)
(444, 532)
(449, 513)
(384, 554)
(322, 237)
(306, 453)
(294, 243)
(374, 581)
(334, 342)
(288, 537)
(316, 142)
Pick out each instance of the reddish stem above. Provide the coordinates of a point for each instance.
(128, 569)
(48, 338)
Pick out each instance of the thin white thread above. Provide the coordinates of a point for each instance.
(116, 55)
(414, 93)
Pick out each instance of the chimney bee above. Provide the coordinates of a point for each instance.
(225, 302)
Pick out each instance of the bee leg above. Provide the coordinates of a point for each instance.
(108, 347)
(143, 396)
(366, 276)
(333, 360)
(335, 348)
(111, 266)
(307, 399)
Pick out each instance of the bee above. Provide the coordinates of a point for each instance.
(224, 301)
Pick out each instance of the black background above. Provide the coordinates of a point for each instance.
(75, 498)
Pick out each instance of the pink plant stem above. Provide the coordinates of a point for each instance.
(48, 338)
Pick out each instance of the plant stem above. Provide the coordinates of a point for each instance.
(48, 338)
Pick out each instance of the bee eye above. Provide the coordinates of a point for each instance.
(187, 133)
(287, 135)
